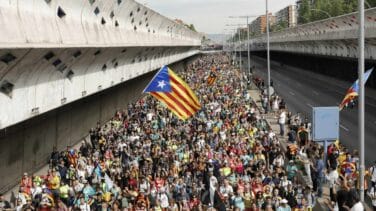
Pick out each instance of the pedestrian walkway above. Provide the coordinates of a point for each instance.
(322, 202)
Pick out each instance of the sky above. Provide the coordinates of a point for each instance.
(211, 16)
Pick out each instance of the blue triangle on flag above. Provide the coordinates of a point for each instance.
(160, 82)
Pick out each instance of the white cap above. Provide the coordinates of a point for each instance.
(284, 201)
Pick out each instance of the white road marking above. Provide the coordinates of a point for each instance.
(292, 93)
(373, 105)
(345, 128)
(309, 105)
(316, 93)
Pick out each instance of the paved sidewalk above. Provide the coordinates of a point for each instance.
(273, 123)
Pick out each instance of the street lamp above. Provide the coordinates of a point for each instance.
(268, 50)
(232, 38)
(233, 41)
(248, 54)
(361, 95)
(240, 43)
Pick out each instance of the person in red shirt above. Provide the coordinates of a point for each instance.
(159, 182)
(26, 183)
(195, 203)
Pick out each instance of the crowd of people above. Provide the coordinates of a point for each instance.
(226, 157)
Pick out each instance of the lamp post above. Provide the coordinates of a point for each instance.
(248, 36)
(361, 94)
(232, 34)
(268, 50)
(231, 41)
(240, 43)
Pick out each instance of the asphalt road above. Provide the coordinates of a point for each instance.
(303, 90)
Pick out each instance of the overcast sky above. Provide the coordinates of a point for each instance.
(211, 16)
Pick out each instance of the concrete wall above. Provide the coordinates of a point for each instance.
(25, 147)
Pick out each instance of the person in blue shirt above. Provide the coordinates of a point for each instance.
(320, 175)
(239, 202)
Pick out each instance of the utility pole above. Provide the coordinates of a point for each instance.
(248, 50)
(268, 51)
(361, 109)
(248, 37)
(240, 50)
(240, 59)
(232, 38)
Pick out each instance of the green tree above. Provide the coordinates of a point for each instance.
(372, 3)
(279, 26)
(304, 12)
(319, 9)
(336, 7)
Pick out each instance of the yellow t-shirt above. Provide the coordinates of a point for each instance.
(55, 182)
(107, 196)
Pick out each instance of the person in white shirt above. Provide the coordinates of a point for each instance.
(372, 171)
(354, 199)
(372, 195)
(332, 178)
(282, 122)
(163, 198)
(226, 189)
(149, 116)
(285, 182)
(83, 205)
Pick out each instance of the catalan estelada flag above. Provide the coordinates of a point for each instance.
(211, 78)
(353, 91)
(170, 89)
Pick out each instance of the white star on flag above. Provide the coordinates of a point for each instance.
(161, 84)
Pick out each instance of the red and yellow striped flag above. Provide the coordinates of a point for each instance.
(170, 89)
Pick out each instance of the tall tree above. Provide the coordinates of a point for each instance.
(304, 12)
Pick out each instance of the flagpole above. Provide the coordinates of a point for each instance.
(361, 95)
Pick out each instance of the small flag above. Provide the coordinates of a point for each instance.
(170, 89)
(353, 91)
(212, 78)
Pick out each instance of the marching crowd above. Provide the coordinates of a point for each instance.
(226, 157)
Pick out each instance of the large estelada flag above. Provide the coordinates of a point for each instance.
(170, 89)
(353, 91)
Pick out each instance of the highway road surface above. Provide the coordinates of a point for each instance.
(303, 90)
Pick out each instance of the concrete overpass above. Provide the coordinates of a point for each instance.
(65, 64)
(334, 37)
